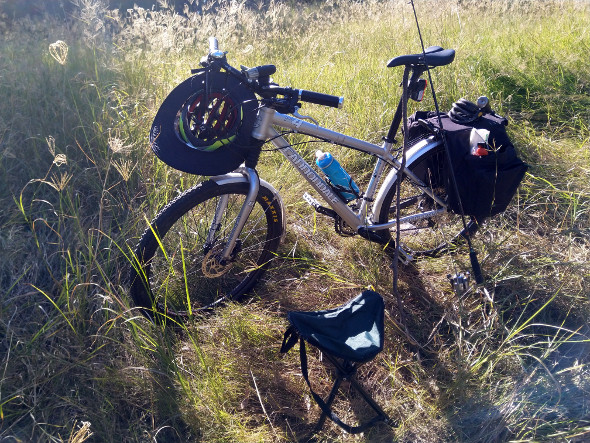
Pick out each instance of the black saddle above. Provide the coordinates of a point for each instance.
(433, 56)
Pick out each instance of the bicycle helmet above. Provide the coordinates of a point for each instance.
(204, 125)
(207, 121)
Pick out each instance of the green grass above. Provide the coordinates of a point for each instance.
(78, 183)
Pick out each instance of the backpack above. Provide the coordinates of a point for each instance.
(486, 183)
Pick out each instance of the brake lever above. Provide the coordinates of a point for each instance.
(304, 117)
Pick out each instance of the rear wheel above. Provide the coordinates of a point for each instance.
(431, 236)
(178, 269)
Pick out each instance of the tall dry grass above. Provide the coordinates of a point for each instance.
(78, 182)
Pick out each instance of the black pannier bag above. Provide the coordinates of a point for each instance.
(486, 183)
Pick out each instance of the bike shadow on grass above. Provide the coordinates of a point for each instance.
(429, 329)
(436, 331)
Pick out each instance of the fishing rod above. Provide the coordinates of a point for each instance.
(472, 254)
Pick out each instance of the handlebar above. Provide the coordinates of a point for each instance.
(319, 98)
(258, 78)
(258, 71)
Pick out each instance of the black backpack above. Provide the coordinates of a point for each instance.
(486, 183)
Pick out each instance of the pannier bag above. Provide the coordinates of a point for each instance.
(204, 125)
(487, 169)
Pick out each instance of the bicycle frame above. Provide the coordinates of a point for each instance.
(358, 217)
(357, 220)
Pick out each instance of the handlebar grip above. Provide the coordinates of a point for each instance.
(320, 99)
(213, 44)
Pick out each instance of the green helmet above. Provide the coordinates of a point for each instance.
(204, 126)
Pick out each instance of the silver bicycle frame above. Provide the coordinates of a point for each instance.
(263, 130)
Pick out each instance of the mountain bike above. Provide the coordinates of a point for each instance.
(213, 242)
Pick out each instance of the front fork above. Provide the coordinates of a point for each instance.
(254, 182)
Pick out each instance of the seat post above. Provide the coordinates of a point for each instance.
(417, 71)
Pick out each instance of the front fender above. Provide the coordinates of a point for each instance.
(413, 154)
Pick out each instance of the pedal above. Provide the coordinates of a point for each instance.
(318, 207)
(404, 256)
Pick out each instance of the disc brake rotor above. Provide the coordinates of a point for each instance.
(211, 265)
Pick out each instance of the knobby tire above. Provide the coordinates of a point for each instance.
(175, 273)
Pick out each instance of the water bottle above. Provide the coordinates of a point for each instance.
(338, 177)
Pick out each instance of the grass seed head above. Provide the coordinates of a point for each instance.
(59, 51)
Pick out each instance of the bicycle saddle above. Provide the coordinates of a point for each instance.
(435, 56)
(353, 331)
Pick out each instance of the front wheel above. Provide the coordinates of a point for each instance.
(177, 269)
(436, 235)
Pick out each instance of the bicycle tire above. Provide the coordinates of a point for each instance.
(175, 273)
(430, 237)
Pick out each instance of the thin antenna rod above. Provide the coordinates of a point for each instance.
(472, 254)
